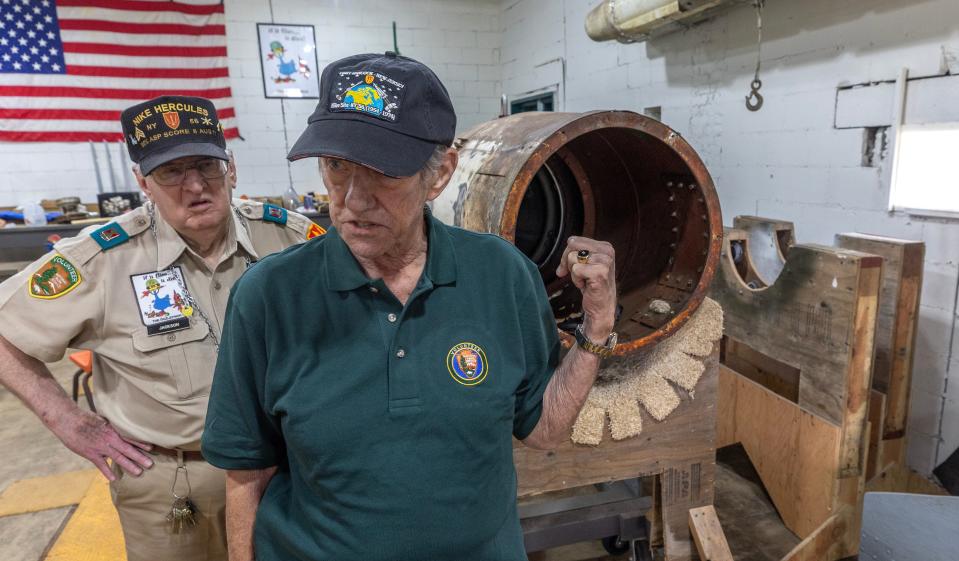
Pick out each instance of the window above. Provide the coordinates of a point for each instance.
(541, 102)
(925, 181)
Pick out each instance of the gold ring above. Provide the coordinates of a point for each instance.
(582, 256)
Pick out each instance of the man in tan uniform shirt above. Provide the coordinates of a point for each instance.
(147, 294)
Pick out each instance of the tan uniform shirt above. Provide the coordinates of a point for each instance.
(151, 383)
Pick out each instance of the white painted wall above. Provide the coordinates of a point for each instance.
(786, 161)
(458, 39)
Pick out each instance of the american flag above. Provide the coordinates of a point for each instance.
(68, 67)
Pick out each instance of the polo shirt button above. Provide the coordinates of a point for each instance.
(217, 285)
(171, 337)
(374, 290)
(392, 318)
(400, 353)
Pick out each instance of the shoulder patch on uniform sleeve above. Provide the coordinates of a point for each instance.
(273, 213)
(54, 279)
(110, 236)
(314, 231)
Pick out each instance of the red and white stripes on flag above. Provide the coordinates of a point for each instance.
(117, 53)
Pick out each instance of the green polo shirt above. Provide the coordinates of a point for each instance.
(391, 425)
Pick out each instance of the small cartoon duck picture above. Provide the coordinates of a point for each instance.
(286, 68)
(162, 303)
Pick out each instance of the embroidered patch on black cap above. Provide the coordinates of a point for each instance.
(371, 93)
(196, 121)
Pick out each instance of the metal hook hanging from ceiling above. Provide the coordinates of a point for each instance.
(754, 101)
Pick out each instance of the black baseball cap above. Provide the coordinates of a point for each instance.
(170, 127)
(384, 111)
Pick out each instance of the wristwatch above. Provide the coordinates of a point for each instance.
(603, 350)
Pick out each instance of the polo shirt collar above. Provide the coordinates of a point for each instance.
(343, 271)
(170, 246)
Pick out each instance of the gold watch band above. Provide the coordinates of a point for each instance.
(602, 351)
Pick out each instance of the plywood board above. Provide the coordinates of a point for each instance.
(794, 451)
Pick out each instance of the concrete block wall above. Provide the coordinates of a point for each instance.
(787, 160)
(459, 39)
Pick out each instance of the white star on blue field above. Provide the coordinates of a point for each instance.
(30, 38)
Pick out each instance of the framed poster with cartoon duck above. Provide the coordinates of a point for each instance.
(288, 60)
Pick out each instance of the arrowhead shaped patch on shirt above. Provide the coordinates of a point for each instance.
(314, 231)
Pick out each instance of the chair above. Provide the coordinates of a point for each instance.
(84, 360)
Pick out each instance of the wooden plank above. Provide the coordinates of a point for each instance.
(689, 432)
(684, 487)
(823, 543)
(680, 452)
(877, 412)
(898, 317)
(892, 451)
(849, 494)
(795, 452)
(897, 478)
(769, 243)
(765, 370)
(859, 369)
(748, 270)
(708, 535)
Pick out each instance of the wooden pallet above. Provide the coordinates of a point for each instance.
(794, 388)
(679, 452)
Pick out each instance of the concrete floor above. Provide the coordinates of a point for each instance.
(30, 450)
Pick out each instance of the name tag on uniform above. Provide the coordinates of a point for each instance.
(162, 299)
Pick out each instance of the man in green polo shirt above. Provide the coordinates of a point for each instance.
(370, 381)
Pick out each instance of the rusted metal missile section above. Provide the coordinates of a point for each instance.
(537, 178)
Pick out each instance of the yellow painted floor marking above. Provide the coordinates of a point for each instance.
(42, 493)
(93, 532)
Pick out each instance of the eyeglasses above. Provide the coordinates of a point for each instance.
(171, 175)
